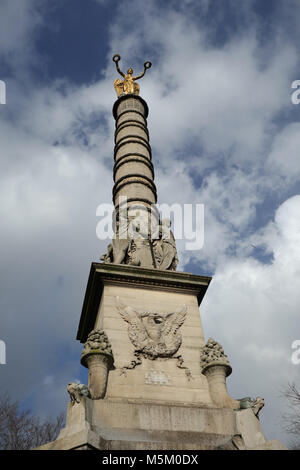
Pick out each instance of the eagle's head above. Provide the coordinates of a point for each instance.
(154, 324)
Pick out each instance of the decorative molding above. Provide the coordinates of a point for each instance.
(129, 111)
(137, 200)
(136, 154)
(126, 97)
(143, 144)
(135, 277)
(129, 158)
(132, 175)
(137, 178)
(132, 136)
(131, 123)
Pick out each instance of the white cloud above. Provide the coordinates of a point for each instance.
(284, 156)
(253, 310)
(221, 98)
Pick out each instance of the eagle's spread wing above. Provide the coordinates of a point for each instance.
(174, 321)
(136, 330)
(128, 314)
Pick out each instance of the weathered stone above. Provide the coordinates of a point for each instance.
(215, 366)
(98, 357)
(77, 391)
(212, 354)
(115, 425)
(256, 404)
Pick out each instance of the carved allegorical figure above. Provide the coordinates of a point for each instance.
(128, 85)
(165, 247)
(117, 251)
(133, 245)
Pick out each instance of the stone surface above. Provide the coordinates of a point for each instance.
(119, 425)
(108, 424)
(135, 278)
(216, 377)
(180, 363)
(78, 433)
(249, 427)
(97, 356)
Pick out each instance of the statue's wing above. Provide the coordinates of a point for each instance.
(136, 330)
(118, 84)
(174, 321)
(128, 314)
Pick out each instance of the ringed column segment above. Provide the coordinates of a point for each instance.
(133, 168)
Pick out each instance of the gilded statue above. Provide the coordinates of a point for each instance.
(128, 85)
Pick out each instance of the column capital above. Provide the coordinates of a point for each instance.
(126, 97)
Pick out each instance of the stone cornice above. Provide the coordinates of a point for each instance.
(121, 274)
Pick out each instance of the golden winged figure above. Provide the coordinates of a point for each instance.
(128, 85)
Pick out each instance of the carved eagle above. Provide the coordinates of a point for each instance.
(153, 334)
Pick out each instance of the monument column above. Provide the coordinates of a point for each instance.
(133, 168)
(153, 381)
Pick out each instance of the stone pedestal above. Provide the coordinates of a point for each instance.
(163, 392)
(148, 291)
(119, 425)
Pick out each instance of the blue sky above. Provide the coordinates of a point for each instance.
(223, 130)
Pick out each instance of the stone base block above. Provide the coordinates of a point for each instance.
(115, 425)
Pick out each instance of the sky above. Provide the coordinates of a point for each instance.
(224, 133)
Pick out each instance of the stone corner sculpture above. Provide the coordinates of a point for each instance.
(97, 356)
(212, 354)
(256, 404)
(77, 391)
(215, 365)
